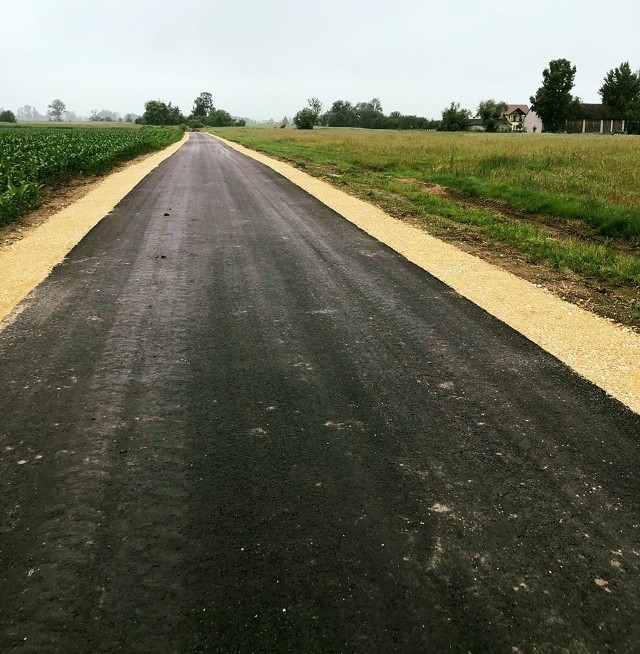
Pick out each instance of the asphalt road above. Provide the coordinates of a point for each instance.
(233, 422)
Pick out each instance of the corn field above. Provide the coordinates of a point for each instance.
(34, 158)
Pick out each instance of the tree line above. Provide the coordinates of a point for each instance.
(57, 111)
(203, 113)
(156, 112)
(369, 115)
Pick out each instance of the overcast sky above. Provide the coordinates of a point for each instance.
(263, 59)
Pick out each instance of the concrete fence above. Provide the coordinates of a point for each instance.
(608, 126)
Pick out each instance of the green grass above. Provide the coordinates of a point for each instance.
(34, 158)
(594, 179)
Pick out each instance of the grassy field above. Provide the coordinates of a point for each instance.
(32, 159)
(570, 202)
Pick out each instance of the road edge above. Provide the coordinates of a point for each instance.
(568, 332)
(29, 261)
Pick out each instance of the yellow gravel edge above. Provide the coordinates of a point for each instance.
(603, 352)
(29, 261)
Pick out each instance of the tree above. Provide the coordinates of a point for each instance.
(316, 106)
(27, 112)
(305, 119)
(454, 119)
(370, 114)
(621, 91)
(105, 115)
(633, 118)
(7, 116)
(220, 118)
(157, 112)
(490, 113)
(553, 101)
(341, 114)
(56, 109)
(202, 105)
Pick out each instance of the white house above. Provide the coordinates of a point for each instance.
(520, 118)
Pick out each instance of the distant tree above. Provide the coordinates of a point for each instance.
(490, 112)
(621, 91)
(316, 106)
(70, 116)
(130, 118)
(56, 109)
(27, 112)
(341, 114)
(454, 119)
(7, 116)
(633, 118)
(202, 105)
(553, 101)
(284, 122)
(175, 115)
(157, 112)
(305, 119)
(370, 114)
(394, 120)
(105, 115)
(220, 118)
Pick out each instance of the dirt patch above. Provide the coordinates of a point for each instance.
(559, 227)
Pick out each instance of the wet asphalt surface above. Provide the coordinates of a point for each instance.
(233, 422)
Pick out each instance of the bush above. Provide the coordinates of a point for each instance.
(7, 116)
(305, 119)
(454, 119)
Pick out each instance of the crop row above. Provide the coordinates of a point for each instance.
(32, 159)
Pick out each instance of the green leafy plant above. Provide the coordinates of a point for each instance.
(32, 158)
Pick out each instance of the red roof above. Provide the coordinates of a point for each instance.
(512, 108)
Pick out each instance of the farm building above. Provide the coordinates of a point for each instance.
(475, 125)
(520, 118)
(516, 118)
(596, 119)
